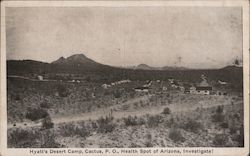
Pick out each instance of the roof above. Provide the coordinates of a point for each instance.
(203, 88)
(204, 83)
(142, 88)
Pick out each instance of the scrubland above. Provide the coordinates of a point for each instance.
(62, 114)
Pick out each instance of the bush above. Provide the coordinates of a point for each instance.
(117, 94)
(133, 121)
(224, 125)
(175, 135)
(239, 137)
(49, 141)
(220, 140)
(218, 117)
(105, 125)
(62, 90)
(44, 105)
(69, 130)
(192, 126)
(154, 121)
(17, 97)
(36, 113)
(20, 138)
(47, 123)
(166, 111)
(219, 109)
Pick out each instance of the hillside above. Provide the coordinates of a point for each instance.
(81, 65)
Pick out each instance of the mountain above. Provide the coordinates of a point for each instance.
(144, 67)
(88, 68)
(59, 61)
(78, 63)
(74, 59)
(232, 68)
(173, 68)
(75, 64)
(168, 68)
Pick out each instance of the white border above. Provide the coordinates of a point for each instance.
(222, 3)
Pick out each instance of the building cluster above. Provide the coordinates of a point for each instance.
(201, 88)
(106, 86)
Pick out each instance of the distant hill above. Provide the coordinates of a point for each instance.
(74, 59)
(144, 67)
(74, 64)
(173, 68)
(147, 67)
(94, 71)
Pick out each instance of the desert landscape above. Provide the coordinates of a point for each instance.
(56, 105)
(124, 76)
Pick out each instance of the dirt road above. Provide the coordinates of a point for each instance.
(175, 108)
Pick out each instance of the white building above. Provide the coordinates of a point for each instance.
(39, 77)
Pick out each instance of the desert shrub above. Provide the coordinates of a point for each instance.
(154, 121)
(133, 121)
(232, 129)
(36, 114)
(16, 97)
(44, 105)
(224, 125)
(220, 140)
(20, 138)
(239, 137)
(69, 130)
(47, 123)
(166, 111)
(105, 125)
(236, 116)
(192, 126)
(94, 125)
(175, 135)
(219, 109)
(133, 145)
(218, 117)
(62, 90)
(117, 94)
(149, 144)
(130, 121)
(49, 141)
(125, 107)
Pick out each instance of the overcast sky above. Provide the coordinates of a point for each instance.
(194, 37)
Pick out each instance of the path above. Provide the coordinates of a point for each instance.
(175, 108)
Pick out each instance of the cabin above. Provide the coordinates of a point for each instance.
(171, 80)
(39, 77)
(164, 88)
(192, 90)
(222, 82)
(105, 86)
(205, 90)
(141, 89)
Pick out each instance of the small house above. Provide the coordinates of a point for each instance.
(222, 82)
(105, 86)
(164, 88)
(205, 90)
(171, 80)
(39, 77)
(141, 89)
(192, 90)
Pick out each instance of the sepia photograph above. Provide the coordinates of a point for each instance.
(125, 76)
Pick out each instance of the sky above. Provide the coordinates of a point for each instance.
(193, 37)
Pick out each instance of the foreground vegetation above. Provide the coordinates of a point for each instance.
(213, 127)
